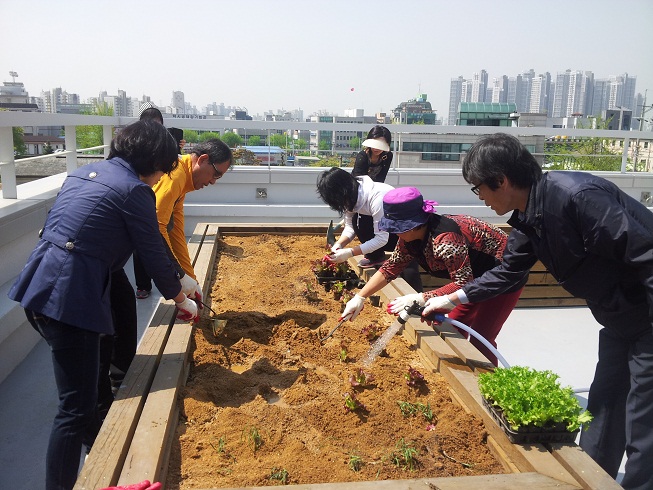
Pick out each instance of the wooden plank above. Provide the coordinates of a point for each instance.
(519, 481)
(582, 467)
(104, 463)
(145, 456)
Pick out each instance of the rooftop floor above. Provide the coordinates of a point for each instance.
(563, 340)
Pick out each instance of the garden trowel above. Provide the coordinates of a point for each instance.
(331, 237)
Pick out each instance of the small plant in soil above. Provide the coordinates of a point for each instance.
(352, 403)
(344, 346)
(252, 437)
(355, 462)
(279, 474)
(371, 332)
(222, 442)
(404, 455)
(414, 377)
(346, 295)
(361, 378)
(309, 292)
(337, 289)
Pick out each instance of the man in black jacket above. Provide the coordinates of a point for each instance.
(598, 243)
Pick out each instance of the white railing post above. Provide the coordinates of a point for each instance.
(7, 163)
(107, 135)
(71, 147)
(624, 155)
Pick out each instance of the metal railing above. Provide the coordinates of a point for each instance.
(634, 145)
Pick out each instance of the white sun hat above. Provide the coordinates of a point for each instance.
(378, 143)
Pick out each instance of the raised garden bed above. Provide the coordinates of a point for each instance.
(138, 437)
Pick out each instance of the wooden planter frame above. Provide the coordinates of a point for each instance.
(136, 438)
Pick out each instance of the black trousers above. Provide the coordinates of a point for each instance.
(143, 280)
(621, 400)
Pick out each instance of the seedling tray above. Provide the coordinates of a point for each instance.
(351, 279)
(530, 434)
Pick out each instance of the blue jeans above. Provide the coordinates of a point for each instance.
(75, 359)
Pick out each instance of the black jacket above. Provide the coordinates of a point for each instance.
(592, 237)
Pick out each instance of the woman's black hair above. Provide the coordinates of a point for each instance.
(500, 155)
(380, 132)
(339, 189)
(147, 146)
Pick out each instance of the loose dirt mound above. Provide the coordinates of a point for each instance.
(264, 403)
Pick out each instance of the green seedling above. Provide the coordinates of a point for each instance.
(343, 351)
(405, 455)
(352, 403)
(355, 462)
(425, 410)
(371, 332)
(252, 437)
(407, 408)
(310, 292)
(222, 442)
(279, 474)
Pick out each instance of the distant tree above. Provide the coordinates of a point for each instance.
(191, 136)
(254, 140)
(208, 135)
(582, 153)
(355, 143)
(324, 145)
(332, 161)
(301, 144)
(90, 136)
(47, 149)
(278, 140)
(19, 142)
(232, 139)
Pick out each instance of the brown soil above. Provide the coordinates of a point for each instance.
(268, 374)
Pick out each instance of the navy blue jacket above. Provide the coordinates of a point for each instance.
(592, 237)
(101, 215)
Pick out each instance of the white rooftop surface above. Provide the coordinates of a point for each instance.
(563, 340)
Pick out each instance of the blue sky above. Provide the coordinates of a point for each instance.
(268, 55)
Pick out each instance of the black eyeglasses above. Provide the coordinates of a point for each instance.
(217, 172)
(476, 189)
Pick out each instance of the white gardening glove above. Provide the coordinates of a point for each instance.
(336, 246)
(438, 304)
(341, 255)
(187, 310)
(353, 307)
(399, 304)
(189, 285)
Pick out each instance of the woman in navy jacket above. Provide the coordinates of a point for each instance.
(104, 212)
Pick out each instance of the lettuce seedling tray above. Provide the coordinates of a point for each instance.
(530, 434)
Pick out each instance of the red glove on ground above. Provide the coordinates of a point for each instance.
(144, 485)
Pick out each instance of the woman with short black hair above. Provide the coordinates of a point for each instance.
(103, 212)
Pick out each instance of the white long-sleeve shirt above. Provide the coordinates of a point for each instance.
(370, 203)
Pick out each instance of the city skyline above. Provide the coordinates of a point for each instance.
(266, 56)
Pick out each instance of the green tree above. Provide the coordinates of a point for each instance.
(241, 156)
(89, 136)
(324, 145)
(278, 140)
(191, 136)
(208, 135)
(355, 143)
(19, 142)
(301, 144)
(47, 149)
(332, 161)
(581, 153)
(254, 140)
(232, 139)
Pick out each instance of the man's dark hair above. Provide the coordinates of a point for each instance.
(216, 149)
(152, 113)
(339, 189)
(147, 146)
(500, 155)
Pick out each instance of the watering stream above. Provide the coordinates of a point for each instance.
(380, 344)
